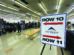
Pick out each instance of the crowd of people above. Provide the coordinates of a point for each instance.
(6, 27)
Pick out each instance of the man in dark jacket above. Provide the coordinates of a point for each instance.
(19, 27)
(69, 39)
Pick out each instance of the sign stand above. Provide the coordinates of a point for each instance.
(51, 33)
(50, 49)
(62, 51)
(43, 49)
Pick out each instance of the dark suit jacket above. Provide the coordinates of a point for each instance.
(69, 40)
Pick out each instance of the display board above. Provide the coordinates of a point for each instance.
(53, 29)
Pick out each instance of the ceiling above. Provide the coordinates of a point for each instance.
(33, 6)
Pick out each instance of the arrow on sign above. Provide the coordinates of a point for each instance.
(55, 37)
(53, 23)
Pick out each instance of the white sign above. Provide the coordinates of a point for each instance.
(53, 29)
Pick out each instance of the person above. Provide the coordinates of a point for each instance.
(69, 39)
(19, 27)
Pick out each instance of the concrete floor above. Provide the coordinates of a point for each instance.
(19, 44)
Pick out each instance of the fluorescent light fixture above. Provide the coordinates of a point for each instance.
(25, 6)
(12, 12)
(59, 3)
(9, 7)
(69, 11)
(28, 13)
(40, 5)
(12, 0)
(34, 16)
(44, 6)
(71, 15)
(71, 8)
(56, 7)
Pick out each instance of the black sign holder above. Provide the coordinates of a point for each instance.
(50, 49)
(62, 51)
(43, 49)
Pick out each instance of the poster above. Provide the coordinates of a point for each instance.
(53, 29)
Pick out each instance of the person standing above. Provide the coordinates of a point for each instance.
(19, 27)
(69, 39)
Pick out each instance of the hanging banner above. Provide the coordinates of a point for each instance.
(53, 29)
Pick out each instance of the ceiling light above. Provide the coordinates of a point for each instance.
(34, 16)
(71, 15)
(27, 8)
(69, 11)
(12, 12)
(71, 8)
(59, 3)
(44, 6)
(31, 15)
(12, 0)
(9, 7)
(56, 7)
(40, 5)
(28, 13)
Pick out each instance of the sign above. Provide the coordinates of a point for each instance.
(53, 29)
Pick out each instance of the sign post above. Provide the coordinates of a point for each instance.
(53, 29)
